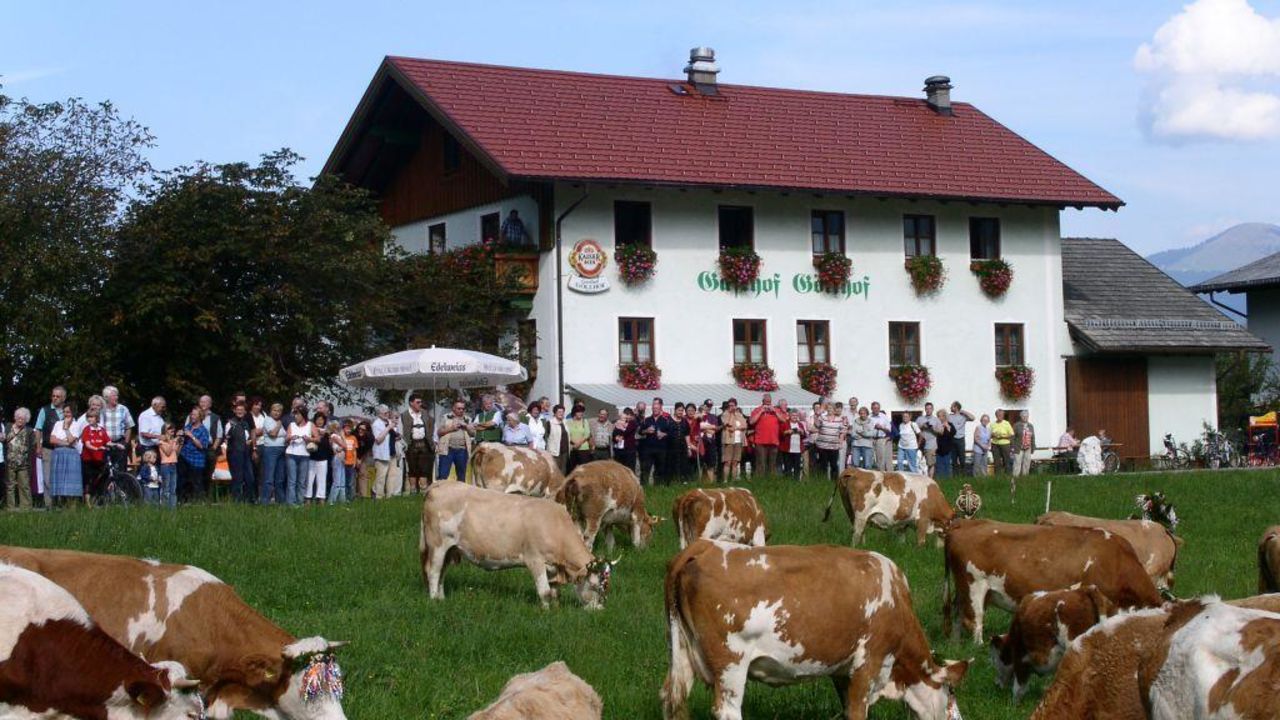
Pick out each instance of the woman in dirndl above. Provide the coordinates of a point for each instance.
(65, 483)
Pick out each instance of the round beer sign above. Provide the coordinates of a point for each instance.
(588, 261)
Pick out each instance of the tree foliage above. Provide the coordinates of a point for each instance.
(236, 276)
(66, 169)
(1247, 385)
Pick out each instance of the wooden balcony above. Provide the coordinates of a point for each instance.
(524, 264)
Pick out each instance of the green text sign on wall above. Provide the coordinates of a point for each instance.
(802, 283)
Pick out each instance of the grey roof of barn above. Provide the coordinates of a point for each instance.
(1117, 302)
(1254, 276)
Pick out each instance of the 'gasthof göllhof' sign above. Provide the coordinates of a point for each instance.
(801, 283)
(588, 260)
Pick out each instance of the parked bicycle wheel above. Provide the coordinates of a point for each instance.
(1110, 462)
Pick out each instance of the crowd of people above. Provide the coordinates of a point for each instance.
(259, 453)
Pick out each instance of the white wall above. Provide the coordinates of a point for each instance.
(694, 330)
(1182, 395)
(463, 228)
(1264, 316)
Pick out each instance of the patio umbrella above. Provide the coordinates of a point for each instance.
(433, 369)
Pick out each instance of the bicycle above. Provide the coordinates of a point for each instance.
(1110, 461)
(114, 485)
(1219, 451)
(1173, 458)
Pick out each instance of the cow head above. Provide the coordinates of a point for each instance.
(593, 588)
(169, 696)
(647, 524)
(1155, 508)
(933, 697)
(1002, 659)
(303, 682)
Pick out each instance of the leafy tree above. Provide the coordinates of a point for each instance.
(236, 276)
(1247, 385)
(66, 168)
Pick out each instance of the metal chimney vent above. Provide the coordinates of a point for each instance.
(702, 70)
(937, 92)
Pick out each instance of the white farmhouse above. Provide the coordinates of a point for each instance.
(691, 168)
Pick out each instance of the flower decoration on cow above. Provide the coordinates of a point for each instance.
(819, 378)
(640, 376)
(968, 503)
(833, 269)
(739, 266)
(1016, 381)
(755, 377)
(994, 276)
(636, 263)
(913, 381)
(927, 272)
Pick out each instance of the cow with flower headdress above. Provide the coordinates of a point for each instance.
(182, 613)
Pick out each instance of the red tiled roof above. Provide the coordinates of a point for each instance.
(543, 124)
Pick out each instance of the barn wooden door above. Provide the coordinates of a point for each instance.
(1110, 393)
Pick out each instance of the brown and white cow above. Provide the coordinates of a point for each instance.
(496, 531)
(786, 614)
(603, 494)
(513, 469)
(1269, 561)
(552, 693)
(891, 500)
(1043, 626)
(56, 663)
(184, 614)
(1156, 547)
(729, 514)
(1005, 562)
(1197, 659)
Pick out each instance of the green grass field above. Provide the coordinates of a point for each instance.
(351, 573)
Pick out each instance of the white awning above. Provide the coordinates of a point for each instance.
(617, 396)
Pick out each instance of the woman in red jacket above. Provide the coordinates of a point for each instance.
(93, 452)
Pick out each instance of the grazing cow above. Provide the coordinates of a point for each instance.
(497, 531)
(1216, 661)
(785, 614)
(552, 693)
(891, 500)
(513, 469)
(1006, 562)
(1269, 561)
(1201, 659)
(1098, 675)
(1043, 626)
(1269, 602)
(1155, 546)
(604, 494)
(55, 663)
(184, 614)
(729, 514)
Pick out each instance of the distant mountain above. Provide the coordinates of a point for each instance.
(1225, 251)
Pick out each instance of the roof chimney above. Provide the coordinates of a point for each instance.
(937, 92)
(702, 70)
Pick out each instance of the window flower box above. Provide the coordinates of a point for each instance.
(833, 269)
(913, 381)
(819, 379)
(739, 266)
(636, 263)
(755, 377)
(927, 272)
(1016, 381)
(640, 376)
(994, 276)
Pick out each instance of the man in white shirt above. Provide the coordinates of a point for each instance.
(883, 442)
(419, 452)
(151, 426)
(382, 454)
(850, 414)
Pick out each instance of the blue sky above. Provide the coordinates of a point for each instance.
(1174, 108)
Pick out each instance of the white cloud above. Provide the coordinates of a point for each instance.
(17, 77)
(1213, 73)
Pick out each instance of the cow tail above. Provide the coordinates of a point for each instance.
(571, 497)
(1266, 578)
(472, 476)
(679, 682)
(946, 585)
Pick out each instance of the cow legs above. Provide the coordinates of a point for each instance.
(538, 569)
(610, 541)
(729, 688)
(434, 570)
(589, 534)
(972, 610)
(922, 530)
(857, 692)
(859, 527)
